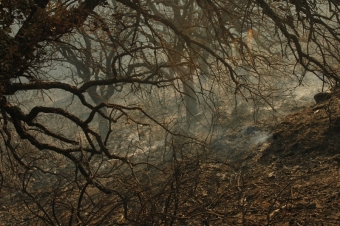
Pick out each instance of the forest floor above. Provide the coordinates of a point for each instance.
(294, 178)
(272, 173)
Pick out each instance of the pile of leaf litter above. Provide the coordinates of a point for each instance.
(294, 178)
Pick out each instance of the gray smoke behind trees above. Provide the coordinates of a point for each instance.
(127, 98)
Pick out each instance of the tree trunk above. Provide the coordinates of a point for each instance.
(190, 100)
(103, 124)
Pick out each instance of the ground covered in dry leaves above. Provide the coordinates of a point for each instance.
(295, 178)
(291, 179)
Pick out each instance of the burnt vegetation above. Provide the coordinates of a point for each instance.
(169, 112)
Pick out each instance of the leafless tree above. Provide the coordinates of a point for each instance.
(61, 167)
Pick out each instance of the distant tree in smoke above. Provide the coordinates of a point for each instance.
(111, 58)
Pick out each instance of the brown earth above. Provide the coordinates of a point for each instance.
(292, 179)
(295, 178)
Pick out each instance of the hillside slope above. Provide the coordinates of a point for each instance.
(294, 179)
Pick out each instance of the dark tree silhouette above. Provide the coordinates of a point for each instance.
(65, 63)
